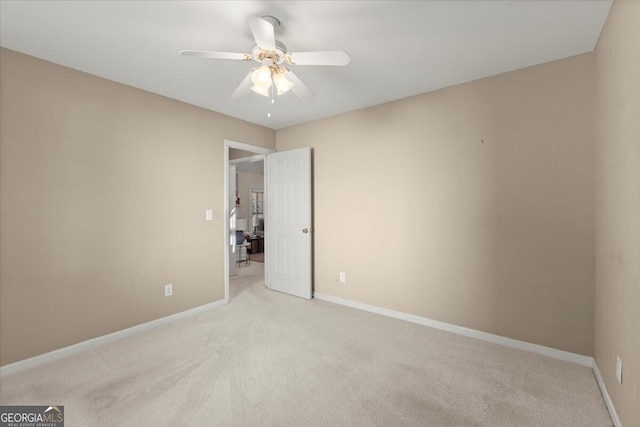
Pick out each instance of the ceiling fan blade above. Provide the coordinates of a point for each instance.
(215, 55)
(300, 89)
(243, 88)
(334, 57)
(263, 32)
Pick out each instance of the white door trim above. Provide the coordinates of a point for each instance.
(246, 147)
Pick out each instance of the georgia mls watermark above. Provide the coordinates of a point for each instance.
(32, 416)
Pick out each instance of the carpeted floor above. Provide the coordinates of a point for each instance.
(269, 359)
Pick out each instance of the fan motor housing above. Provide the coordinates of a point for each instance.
(267, 57)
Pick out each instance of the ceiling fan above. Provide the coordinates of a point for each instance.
(272, 75)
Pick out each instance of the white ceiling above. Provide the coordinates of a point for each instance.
(397, 48)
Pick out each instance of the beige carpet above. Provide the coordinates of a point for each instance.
(269, 359)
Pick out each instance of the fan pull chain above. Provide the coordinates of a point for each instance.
(272, 100)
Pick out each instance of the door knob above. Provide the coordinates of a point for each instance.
(305, 230)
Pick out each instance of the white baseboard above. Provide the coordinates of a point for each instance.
(605, 395)
(484, 336)
(105, 339)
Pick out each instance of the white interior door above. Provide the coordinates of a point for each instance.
(288, 229)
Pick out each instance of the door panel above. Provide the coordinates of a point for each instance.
(288, 234)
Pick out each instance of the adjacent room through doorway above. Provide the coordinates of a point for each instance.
(245, 166)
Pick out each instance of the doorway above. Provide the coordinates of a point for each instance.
(235, 154)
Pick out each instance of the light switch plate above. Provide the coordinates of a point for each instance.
(208, 215)
(619, 370)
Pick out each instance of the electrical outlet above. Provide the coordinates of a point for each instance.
(168, 290)
(343, 277)
(619, 370)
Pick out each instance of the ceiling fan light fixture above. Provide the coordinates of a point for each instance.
(268, 78)
(264, 91)
(282, 83)
(261, 77)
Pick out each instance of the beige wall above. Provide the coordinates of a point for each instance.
(426, 218)
(103, 194)
(617, 311)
